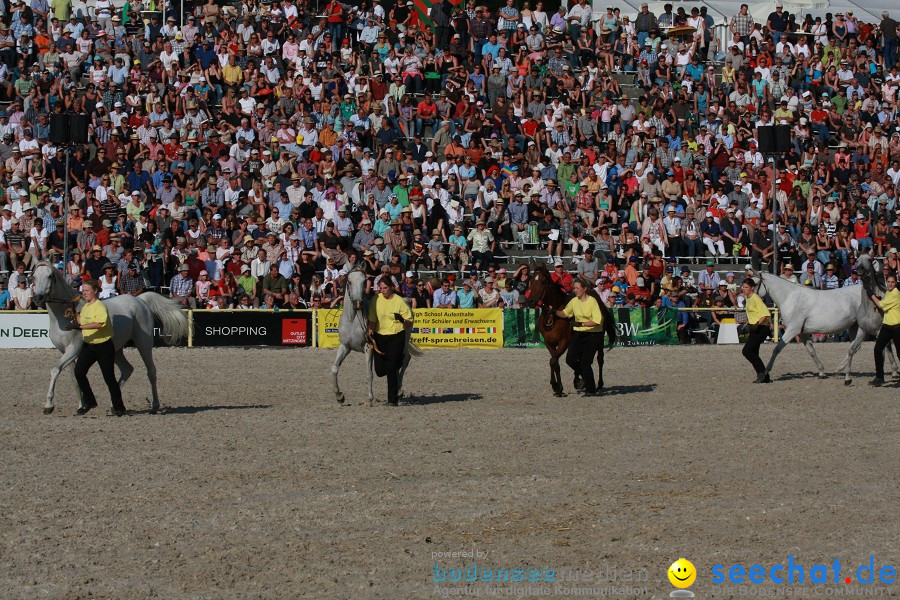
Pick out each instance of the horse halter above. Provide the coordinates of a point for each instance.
(550, 314)
(51, 299)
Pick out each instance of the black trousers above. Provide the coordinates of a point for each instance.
(886, 335)
(388, 364)
(582, 350)
(104, 354)
(758, 335)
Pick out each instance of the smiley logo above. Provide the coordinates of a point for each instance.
(682, 573)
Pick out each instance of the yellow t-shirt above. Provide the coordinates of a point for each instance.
(96, 313)
(585, 310)
(232, 75)
(381, 310)
(756, 309)
(890, 304)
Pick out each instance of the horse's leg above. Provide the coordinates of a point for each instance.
(342, 353)
(67, 358)
(77, 387)
(555, 376)
(789, 334)
(370, 372)
(848, 361)
(806, 340)
(125, 368)
(145, 348)
(554, 384)
(600, 361)
(406, 358)
(561, 349)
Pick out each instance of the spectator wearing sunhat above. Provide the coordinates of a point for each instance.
(181, 288)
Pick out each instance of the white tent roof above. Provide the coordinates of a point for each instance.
(722, 10)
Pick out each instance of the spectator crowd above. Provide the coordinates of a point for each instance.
(255, 153)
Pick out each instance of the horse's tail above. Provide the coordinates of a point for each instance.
(175, 324)
(411, 346)
(609, 325)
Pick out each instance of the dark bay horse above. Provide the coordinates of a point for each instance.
(546, 294)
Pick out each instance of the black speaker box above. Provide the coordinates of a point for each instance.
(782, 139)
(59, 129)
(774, 139)
(68, 129)
(78, 129)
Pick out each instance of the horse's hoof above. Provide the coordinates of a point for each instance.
(48, 411)
(848, 382)
(823, 376)
(153, 411)
(340, 398)
(559, 394)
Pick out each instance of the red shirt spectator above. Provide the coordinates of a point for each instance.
(426, 109)
(563, 278)
(861, 228)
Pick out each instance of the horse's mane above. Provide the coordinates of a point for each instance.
(872, 279)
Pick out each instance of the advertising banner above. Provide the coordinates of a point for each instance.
(24, 330)
(327, 323)
(458, 328)
(646, 327)
(252, 328)
(634, 327)
(520, 328)
(434, 328)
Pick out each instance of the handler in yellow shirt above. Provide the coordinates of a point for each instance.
(759, 318)
(98, 347)
(587, 339)
(389, 315)
(890, 326)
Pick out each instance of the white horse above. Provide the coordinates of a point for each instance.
(353, 334)
(806, 311)
(132, 319)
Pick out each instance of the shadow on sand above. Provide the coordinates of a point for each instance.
(619, 390)
(439, 399)
(856, 375)
(192, 410)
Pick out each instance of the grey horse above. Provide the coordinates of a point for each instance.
(353, 329)
(805, 311)
(132, 319)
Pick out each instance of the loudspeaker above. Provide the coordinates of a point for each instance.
(68, 129)
(774, 139)
(782, 139)
(59, 129)
(78, 129)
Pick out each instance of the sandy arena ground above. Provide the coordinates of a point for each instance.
(254, 483)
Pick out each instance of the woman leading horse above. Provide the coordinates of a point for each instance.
(587, 335)
(544, 292)
(389, 316)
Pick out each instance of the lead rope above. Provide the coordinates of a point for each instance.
(73, 303)
(370, 339)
